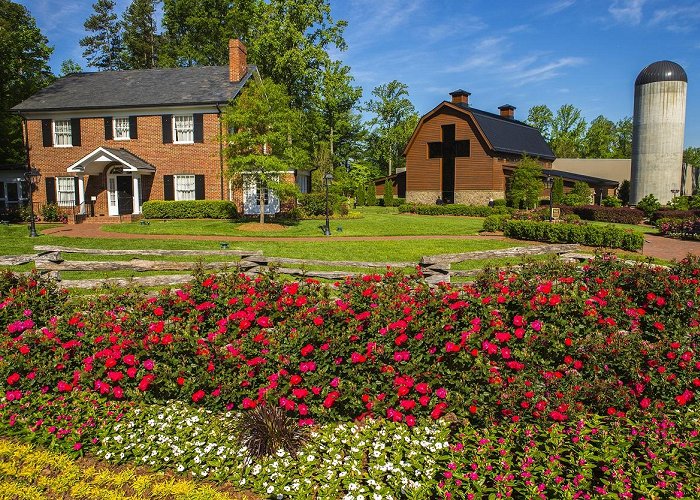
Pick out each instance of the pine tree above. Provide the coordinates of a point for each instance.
(388, 193)
(103, 49)
(371, 196)
(140, 38)
(360, 196)
(557, 190)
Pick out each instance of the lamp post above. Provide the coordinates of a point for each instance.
(675, 192)
(549, 182)
(327, 179)
(31, 175)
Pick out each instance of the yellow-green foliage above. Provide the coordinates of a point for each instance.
(28, 473)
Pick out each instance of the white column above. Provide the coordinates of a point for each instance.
(137, 193)
(81, 194)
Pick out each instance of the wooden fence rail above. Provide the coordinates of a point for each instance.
(435, 268)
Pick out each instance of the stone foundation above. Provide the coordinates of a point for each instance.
(425, 197)
(472, 197)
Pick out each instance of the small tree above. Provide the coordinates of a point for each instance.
(360, 195)
(388, 193)
(649, 204)
(261, 146)
(526, 186)
(583, 191)
(624, 192)
(371, 195)
(557, 190)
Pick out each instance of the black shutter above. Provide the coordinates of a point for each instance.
(435, 150)
(462, 148)
(198, 187)
(168, 187)
(77, 190)
(198, 122)
(109, 131)
(50, 190)
(47, 133)
(75, 131)
(167, 129)
(133, 131)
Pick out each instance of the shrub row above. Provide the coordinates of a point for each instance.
(594, 236)
(665, 213)
(456, 209)
(314, 204)
(620, 215)
(681, 228)
(189, 209)
(394, 202)
(494, 223)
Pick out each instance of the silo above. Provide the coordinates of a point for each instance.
(657, 131)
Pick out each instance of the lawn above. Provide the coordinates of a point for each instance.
(375, 221)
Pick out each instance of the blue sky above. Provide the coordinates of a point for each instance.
(581, 52)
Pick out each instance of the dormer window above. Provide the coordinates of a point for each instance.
(62, 134)
(183, 129)
(121, 128)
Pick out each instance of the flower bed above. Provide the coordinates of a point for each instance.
(687, 229)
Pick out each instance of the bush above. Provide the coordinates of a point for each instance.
(687, 229)
(456, 209)
(575, 200)
(667, 213)
(620, 215)
(371, 195)
(388, 198)
(612, 201)
(649, 204)
(494, 223)
(51, 212)
(360, 196)
(594, 236)
(190, 209)
(500, 203)
(314, 204)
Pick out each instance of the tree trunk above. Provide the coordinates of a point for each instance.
(261, 199)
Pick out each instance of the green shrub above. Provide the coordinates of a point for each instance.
(575, 200)
(557, 190)
(667, 213)
(456, 209)
(594, 236)
(679, 203)
(360, 196)
(190, 209)
(620, 215)
(494, 223)
(612, 201)
(51, 213)
(314, 204)
(388, 194)
(500, 202)
(649, 204)
(371, 196)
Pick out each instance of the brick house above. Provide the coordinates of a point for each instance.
(106, 142)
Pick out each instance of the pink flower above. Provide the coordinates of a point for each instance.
(148, 364)
(77, 446)
(441, 393)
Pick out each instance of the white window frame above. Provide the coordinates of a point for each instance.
(65, 191)
(184, 187)
(121, 132)
(186, 128)
(62, 129)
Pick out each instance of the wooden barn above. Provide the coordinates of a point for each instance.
(460, 154)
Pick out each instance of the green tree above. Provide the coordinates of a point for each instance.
(393, 123)
(557, 190)
(388, 193)
(600, 139)
(691, 157)
(371, 194)
(70, 66)
(141, 39)
(360, 195)
(623, 138)
(261, 143)
(568, 129)
(24, 69)
(103, 48)
(541, 117)
(526, 184)
(583, 191)
(623, 192)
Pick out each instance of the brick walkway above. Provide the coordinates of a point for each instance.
(654, 246)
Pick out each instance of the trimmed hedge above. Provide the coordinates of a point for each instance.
(314, 204)
(667, 213)
(190, 209)
(494, 223)
(620, 215)
(593, 236)
(456, 209)
(395, 202)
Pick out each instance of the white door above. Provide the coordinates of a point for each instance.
(251, 198)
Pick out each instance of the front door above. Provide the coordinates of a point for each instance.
(125, 195)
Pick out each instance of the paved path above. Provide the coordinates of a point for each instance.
(654, 246)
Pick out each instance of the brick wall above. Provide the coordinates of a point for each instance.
(168, 159)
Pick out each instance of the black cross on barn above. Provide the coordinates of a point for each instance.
(448, 150)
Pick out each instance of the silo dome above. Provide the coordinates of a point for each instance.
(661, 71)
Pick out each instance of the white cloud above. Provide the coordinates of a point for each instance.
(627, 11)
(557, 7)
(545, 71)
(677, 18)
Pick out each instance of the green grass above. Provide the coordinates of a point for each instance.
(375, 221)
(633, 227)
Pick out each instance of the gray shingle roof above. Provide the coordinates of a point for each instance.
(511, 136)
(130, 158)
(137, 88)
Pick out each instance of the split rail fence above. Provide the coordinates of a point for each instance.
(435, 268)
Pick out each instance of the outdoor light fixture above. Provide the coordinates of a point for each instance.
(327, 179)
(31, 175)
(549, 182)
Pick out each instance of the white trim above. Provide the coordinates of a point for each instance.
(114, 128)
(78, 167)
(174, 125)
(53, 133)
(81, 194)
(178, 177)
(111, 112)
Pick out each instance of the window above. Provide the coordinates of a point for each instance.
(183, 129)
(62, 136)
(266, 192)
(65, 191)
(121, 128)
(184, 187)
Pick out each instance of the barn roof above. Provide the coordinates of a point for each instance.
(194, 85)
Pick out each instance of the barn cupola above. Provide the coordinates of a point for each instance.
(237, 60)
(507, 111)
(460, 97)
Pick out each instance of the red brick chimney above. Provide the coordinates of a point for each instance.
(237, 60)
(460, 97)
(507, 111)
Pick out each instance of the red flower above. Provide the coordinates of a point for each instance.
(307, 349)
(13, 379)
(295, 380)
(356, 357)
(129, 359)
(248, 404)
(24, 349)
(452, 347)
(422, 388)
(407, 404)
(180, 381)
(118, 392)
(198, 395)
(644, 403)
(300, 393)
(115, 376)
(158, 311)
(131, 371)
(318, 321)
(145, 382)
